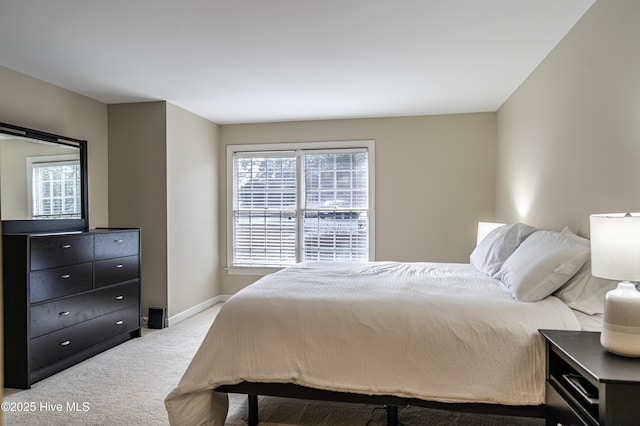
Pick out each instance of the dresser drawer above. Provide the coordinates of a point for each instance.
(117, 244)
(113, 271)
(60, 344)
(558, 410)
(52, 316)
(115, 298)
(60, 250)
(50, 283)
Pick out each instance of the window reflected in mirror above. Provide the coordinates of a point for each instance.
(55, 187)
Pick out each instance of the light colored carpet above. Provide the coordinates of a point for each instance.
(127, 385)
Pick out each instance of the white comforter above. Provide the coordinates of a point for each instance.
(434, 331)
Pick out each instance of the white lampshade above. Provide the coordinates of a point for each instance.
(615, 255)
(615, 246)
(484, 228)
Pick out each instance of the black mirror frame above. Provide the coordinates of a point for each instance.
(52, 225)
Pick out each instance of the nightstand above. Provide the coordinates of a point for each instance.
(587, 385)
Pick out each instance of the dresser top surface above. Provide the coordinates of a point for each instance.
(584, 348)
(90, 231)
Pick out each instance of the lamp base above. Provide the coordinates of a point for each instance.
(624, 343)
(621, 324)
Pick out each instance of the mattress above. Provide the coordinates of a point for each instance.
(434, 331)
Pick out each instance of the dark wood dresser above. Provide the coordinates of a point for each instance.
(67, 297)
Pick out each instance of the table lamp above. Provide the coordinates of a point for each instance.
(615, 255)
(484, 228)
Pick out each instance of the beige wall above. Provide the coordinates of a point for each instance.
(192, 209)
(569, 137)
(134, 140)
(165, 183)
(28, 102)
(434, 180)
(138, 189)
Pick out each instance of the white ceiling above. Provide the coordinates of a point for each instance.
(234, 61)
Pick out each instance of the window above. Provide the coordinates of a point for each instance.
(291, 203)
(55, 187)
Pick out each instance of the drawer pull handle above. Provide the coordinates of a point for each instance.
(64, 313)
(119, 265)
(65, 246)
(119, 241)
(65, 276)
(121, 297)
(65, 343)
(119, 322)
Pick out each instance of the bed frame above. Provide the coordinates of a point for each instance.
(390, 402)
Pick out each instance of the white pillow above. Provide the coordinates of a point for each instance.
(542, 264)
(584, 292)
(566, 232)
(497, 246)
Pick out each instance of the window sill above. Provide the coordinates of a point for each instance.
(246, 270)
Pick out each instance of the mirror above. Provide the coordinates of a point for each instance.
(43, 181)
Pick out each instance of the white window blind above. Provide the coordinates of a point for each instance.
(335, 206)
(296, 205)
(264, 212)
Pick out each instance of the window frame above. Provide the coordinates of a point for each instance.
(369, 145)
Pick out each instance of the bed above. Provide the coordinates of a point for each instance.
(394, 333)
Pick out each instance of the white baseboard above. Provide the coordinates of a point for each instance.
(175, 319)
